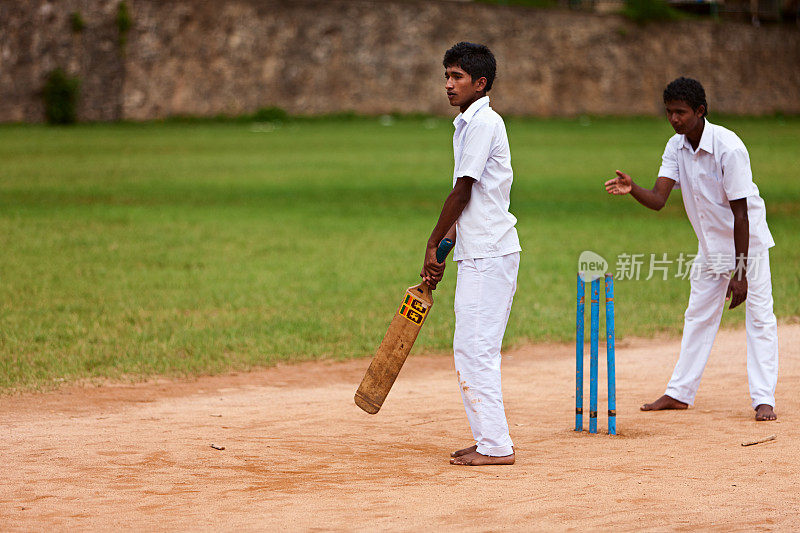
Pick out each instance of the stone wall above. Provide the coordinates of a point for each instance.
(203, 57)
(36, 37)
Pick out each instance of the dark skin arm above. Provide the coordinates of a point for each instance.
(737, 287)
(457, 200)
(451, 234)
(654, 198)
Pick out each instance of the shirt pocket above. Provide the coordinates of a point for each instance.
(710, 187)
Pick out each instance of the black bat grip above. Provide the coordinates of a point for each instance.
(444, 248)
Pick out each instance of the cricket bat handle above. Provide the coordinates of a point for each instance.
(444, 248)
(441, 254)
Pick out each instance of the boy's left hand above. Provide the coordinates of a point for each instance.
(737, 292)
(432, 271)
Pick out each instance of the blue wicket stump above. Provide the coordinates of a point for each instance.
(611, 368)
(579, 357)
(593, 354)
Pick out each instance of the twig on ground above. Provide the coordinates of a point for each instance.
(766, 439)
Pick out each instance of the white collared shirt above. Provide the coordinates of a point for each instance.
(480, 149)
(709, 178)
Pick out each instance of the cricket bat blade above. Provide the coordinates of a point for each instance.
(398, 341)
(394, 348)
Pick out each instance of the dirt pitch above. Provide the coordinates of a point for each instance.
(299, 455)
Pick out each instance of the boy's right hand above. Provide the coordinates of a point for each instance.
(432, 270)
(622, 184)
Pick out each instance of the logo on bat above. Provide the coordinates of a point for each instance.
(413, 310)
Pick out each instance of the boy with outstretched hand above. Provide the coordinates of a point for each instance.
(711, 166)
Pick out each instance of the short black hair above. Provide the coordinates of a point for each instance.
(687, 90)
(474, 59)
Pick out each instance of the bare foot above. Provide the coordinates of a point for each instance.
(465, 451)
(476, 459)
(765, 412)
(665, 402)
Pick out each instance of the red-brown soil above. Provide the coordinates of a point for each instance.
(299, 455)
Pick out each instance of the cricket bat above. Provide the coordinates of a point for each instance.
(397, 343)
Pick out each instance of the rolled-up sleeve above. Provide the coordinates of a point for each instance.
(737, 177)
(476, 149)
(669, 164)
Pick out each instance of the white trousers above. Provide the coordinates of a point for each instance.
(701, 323)
(484, 293)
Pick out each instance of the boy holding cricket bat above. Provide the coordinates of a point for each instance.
(476, 216)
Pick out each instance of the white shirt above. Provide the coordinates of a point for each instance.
(717, 172)
(480, 149)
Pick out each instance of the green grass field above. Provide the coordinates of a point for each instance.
(130, 250)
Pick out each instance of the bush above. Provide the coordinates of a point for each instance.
(60, 95)
(124, 22)
(76, 22)
(649, 10)
(526, 3)
(270, 114)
